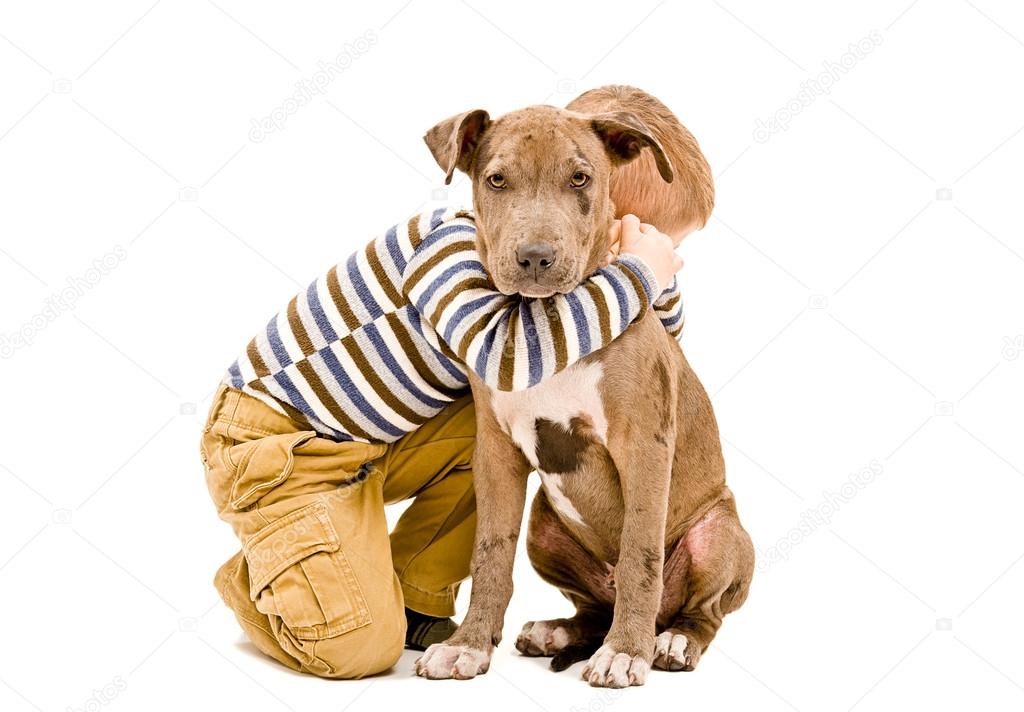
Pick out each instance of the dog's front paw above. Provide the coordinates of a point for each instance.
(609, 668)
(442, 661)
(673, 651)
(543, 637)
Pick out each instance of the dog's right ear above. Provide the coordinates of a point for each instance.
(454, 141)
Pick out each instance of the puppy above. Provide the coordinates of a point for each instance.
(634, 522)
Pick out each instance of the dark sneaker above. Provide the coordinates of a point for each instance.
(424, 630)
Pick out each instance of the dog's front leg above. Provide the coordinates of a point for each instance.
(499, 478)
(645, 472)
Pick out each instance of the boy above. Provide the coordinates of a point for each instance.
(352, 398)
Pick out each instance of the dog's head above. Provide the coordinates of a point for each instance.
(540, 188)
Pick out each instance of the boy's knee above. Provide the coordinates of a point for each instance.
(369, 650)
(336, 610)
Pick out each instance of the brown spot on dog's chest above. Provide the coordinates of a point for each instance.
(559, 449)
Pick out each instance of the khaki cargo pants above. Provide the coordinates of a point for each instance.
(319, 584)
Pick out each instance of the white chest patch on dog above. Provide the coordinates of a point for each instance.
(568, 394)
(573, 393)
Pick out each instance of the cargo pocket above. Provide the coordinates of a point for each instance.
(298, 571)
(262, 464)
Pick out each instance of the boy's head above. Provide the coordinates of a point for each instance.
(675, 208)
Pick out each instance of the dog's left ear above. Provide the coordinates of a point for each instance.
(454, 140)
(625, 135)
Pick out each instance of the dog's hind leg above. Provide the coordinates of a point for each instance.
(565, 640)
(561, 561)
(706, 576)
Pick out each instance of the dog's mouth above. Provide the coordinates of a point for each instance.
(536, 288)
(514, 278)
(530, 291)
(537, 291)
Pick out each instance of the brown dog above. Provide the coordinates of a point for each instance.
(634, 522)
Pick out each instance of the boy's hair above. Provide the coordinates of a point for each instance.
(637, 187)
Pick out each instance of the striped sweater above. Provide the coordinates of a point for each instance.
(384, 340)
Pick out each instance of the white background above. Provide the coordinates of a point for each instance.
(854, 303)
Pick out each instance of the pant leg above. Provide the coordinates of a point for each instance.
(313, 586)
(432, 543)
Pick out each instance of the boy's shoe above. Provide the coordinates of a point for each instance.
(424, 630)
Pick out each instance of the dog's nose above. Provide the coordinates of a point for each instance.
(535, 257)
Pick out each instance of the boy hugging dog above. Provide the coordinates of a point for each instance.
(356, 396)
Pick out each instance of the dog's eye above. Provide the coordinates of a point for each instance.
(496, 181)
(579, 179)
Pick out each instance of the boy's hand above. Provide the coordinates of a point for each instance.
(614, 243)
(651, 245)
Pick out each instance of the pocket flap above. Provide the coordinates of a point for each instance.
(287, 540)
(263, 464)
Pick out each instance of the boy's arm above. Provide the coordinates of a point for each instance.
(669, 304)
(669, 308)
(512, 343)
